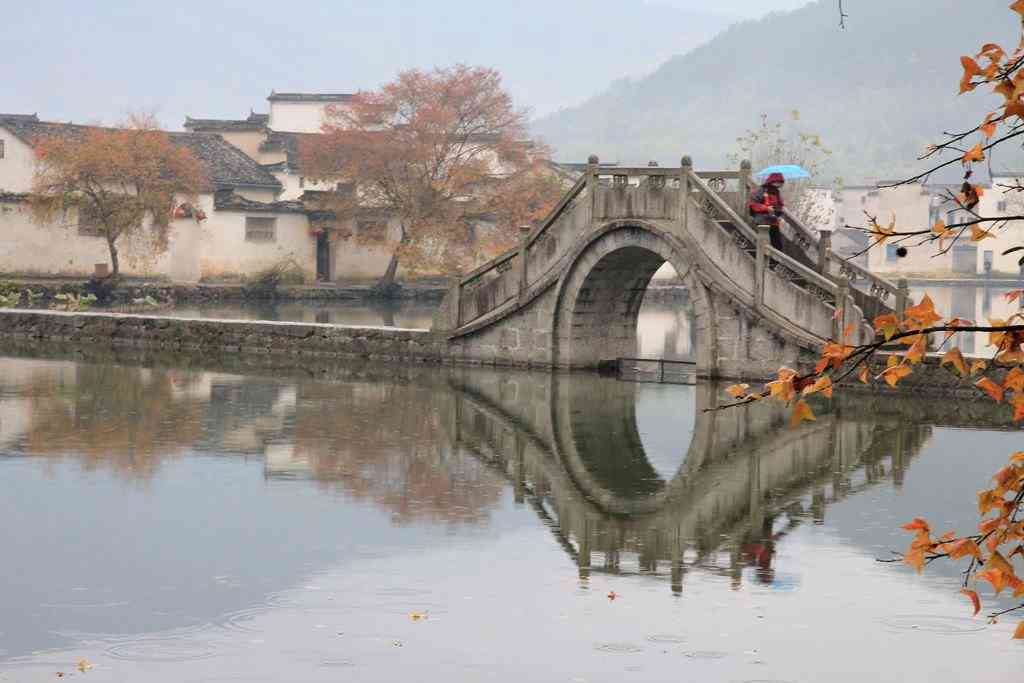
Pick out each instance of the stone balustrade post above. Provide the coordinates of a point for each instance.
(593, 164)
(524, 236)
(824, 251)
(842, 292)
(761, 264)
(745, 187)
(902, 297)
(685, 166)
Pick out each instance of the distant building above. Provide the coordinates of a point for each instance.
(246, 228)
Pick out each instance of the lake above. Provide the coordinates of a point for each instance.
(195, 519)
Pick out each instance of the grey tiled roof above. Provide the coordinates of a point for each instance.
(279, 141)
(226, 165)
(253, 122)
(309, 96)
(226, 200)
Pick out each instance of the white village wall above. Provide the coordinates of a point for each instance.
(297, 117)
(17, 165)
(227, 255)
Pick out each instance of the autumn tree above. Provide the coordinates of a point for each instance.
(437, 151)
(123, 181)
(994, 551)
(785, 142)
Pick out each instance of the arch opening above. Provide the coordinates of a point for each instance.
(604, 315)
(666, 325)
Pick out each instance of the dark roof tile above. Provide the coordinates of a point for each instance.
(309, 96)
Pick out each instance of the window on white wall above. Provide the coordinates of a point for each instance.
(260, 229)
(2, 150)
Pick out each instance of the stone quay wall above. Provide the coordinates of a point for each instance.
(85, 329)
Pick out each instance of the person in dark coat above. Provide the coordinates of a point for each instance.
(766, 207)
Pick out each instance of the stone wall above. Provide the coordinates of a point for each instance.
(222, 336)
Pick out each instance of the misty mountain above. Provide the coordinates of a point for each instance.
(877, 92)
(89, 61)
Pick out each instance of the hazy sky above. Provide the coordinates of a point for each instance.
(96, 61)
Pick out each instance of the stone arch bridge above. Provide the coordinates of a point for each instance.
(569, 295)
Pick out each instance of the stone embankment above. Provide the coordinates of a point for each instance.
(221, 336)
(214, 293)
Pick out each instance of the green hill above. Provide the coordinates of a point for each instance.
(877, 92)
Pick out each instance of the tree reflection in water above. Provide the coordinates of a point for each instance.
(438, 445)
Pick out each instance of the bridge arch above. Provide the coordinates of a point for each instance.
(599, 296)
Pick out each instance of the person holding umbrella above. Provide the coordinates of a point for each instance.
(766, 206)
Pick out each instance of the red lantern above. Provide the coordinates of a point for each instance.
(200, 215)
(182, 211)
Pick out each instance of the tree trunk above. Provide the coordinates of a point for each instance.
(387, 280)
(115, 264)
(387, 286)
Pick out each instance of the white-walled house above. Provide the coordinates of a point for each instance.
(246, 228)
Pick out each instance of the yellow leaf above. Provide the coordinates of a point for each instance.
(801, 412)
(975, 600)
(991, 388)
(737, 390)
(823, 384)
(995, 577)
(416, 616)
(916, 351)
(957, 359)
(894, 374)
(978, 366)
(978, 233)
(863, 374)
(1018, 7)
(923, 312)
(887, 324)
(84, 665)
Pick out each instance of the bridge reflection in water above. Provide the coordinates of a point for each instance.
(570, 447)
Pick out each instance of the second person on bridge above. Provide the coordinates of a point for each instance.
(766, 206)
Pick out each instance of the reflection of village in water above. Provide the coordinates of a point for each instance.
(439, 445)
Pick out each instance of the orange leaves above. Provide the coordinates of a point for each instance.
(971, 69)
(963, 548)
(918, 344)
(988, 126)
(894, 373)
(1014, 380)
(920, 545)
(737, 390)
(941, 231)
(823, 384)
(801, 411)
(978, 366)
(975, 153)
(979, 233)
(1018, 7)
(833, 354)
(923, 313)
(917, 524)
(957, 359)
(882, 232)
(1018, 407)
(994, 577)
(1013, 295)
(887, 324)
(864, 374)
(1018, 633)
(975, 600)
(994, 391)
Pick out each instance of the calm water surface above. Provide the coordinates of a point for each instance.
(203, 524)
